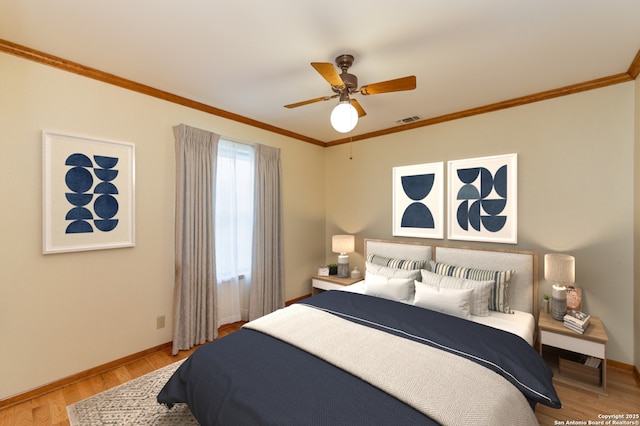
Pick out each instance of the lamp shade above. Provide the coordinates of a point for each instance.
(344, 117)
(560, 268)
(342, 243)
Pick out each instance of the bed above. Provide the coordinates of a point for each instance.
(393, 349)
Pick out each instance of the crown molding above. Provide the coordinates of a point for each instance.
(73, 67)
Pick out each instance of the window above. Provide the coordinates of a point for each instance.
(233, 231)
(234, 210)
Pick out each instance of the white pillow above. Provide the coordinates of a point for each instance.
(385, 271)
(450, 301)
(481, 289)
(398, 289)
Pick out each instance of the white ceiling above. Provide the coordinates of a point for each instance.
(252, 57)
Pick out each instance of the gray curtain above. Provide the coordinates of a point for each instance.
(267, 276)
(195, 281)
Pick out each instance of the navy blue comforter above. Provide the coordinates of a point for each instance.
(249, 378)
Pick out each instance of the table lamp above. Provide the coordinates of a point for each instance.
(343, 244)
(559, 269)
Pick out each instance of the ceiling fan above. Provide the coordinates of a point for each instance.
(344, 116)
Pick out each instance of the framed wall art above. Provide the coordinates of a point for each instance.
(483, 199)
(88, 193)
(418, 197)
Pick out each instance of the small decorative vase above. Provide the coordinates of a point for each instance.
(545, 305)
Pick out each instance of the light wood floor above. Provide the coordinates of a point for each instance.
(50, 409)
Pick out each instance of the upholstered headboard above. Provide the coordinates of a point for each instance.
(399, 249)
(523, 288)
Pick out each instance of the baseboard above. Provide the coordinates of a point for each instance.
(620, 365)
(80, 376)
(626, 367)
(297, 299)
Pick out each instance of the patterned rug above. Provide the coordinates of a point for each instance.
(132, 403)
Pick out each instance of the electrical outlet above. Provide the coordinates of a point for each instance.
(160, 322)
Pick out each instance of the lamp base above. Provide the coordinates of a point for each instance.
(343, 266)
(558, 302)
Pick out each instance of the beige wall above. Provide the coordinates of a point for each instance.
(575, 189)
(64, 313)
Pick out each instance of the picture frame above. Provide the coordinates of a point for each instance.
(483, 199)
(418, 201)
(88, 193)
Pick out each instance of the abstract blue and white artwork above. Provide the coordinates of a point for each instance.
(88, 194)
(483, 199)
(418, 196)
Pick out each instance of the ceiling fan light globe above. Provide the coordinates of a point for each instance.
(344, 117)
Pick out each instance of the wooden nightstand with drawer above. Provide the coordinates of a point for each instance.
(566, 352)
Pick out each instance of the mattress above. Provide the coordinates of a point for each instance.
(520, 323)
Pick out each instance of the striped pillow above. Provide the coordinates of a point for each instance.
(395, 263)
(499, 298)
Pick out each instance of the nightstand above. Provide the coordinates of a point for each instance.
(332, 282)
(561, 348)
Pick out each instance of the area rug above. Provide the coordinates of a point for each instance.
(132, 403)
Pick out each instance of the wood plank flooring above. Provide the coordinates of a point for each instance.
(50, 409)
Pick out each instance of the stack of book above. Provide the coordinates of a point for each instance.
(576, 321)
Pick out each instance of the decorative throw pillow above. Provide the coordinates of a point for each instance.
(398, 289)
(499, 298)
(396, 263)
(450, 301)
(479, 297)
(373, 268)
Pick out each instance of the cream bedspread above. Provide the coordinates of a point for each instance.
(449, 389)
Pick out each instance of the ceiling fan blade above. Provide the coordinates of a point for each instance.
(328, 72)
(358, 107)
(397, 85)
(310, 101)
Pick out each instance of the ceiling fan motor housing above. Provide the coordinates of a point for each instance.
(344, 62)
